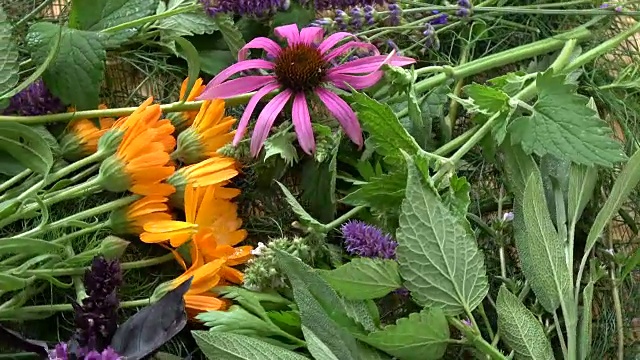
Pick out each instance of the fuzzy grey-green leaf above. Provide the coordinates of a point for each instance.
(439, 260)
(520, 328)
(540, 249)
(9, 66)
(421, 336)
(364, 278)
(217, 346)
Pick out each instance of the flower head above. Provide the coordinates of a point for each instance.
(321, 5)
(106, 354)
(82, 136)
(34, 100)
(301, 69)
(216, 171)
(508, 216)
(210, 131)
(131, 219)
(256, 8)
(368, 241)
(96, 318)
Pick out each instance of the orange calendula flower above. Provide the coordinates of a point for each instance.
(82, 135)
(131, 219)
(139, 165)
(217, 170)
(210, 131)
(182, 120)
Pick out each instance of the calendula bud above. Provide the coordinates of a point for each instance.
(190, 148)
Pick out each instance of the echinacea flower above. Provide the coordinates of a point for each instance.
(301, 69)
(131, 219)
(217, 170)
(82, 136)
(181, 120)
(34, 100)
(210, 131)
(366, 240)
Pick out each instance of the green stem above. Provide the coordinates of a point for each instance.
(7, 313)
(449, 121)
(485, 319)
(15, 179)
(90, 114)
(457, 142)
(346, 216)
(477, 340)
(38, 10)
(150, 18)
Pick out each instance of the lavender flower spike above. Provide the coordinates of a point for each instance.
(34, 100)
(366, 240)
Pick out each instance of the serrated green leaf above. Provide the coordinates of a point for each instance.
(564, 126)
(230, 32)
(487, 99)
(364, 278)
(385, 130)
(540, 249)
(439, 260)
(383, 192)
(510, 83)
(520, 328)
(216, 346)
(321, 310)
(9, 65)
(585, 328)
(197, 22)
(297, 208)
(26, 146)
(421, 336)
(281, 144)
(626, 181)
(193, 62)
(79, 63)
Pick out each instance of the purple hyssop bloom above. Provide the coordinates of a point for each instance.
(60, 353)
(244, 7)
(368, 241)
(34, 100)
(342, 4)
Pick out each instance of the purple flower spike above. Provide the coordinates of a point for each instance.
(34, 100)
(59, 352)
(366, 240)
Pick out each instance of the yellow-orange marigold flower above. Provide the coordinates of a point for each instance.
(217, 170)
(131, 219)
(210, 131)
(82, 135)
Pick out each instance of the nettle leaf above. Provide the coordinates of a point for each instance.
(540, 249)
(364, 278)
(77, 71)
(510, 83)
(9, 64)
(321, 310)
(216, 345)
(387, 133)
(27, 146)
(564, 126)
(230, 32)
(383, 192)
(281, 144)
(520, 329)
(421, 336)
(151, 327)
(485, 99)
(197, 22)
(439, 259)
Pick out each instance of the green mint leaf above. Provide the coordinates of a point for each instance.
(27, 146)
(487, 99)
(77, 71)
(383, 192)
(230, 32)
(510, 83)
(281, 144)
(364, 278)
(540, 249)
(421, 336)
(321, 309)
(386, 132)
(439, 260)
(564, 126)
(216, 345)
(9, 65)
(196, 22)
(520, 328)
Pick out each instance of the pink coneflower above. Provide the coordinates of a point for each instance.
(303, 68)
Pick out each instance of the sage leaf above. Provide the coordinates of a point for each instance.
(421, 336)
(520, 329)
(585, 330)
(439, 260)
(218, 345)
(541, 251)
(364, 278)
(9, 65)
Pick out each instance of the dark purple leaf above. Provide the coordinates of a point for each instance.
(152, 326)
(15, 340)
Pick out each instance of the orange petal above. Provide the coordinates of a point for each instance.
(204, 302)
(232, 275)
(159, 189)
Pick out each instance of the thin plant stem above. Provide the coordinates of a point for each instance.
(476, 340)
(449, 121)
(37, 10)
(346, 216)
(15, 179)
(485, 319)
(6, 313)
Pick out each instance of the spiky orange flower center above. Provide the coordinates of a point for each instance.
(300, 67)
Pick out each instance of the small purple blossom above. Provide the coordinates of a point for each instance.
(467, 322)
(464, 8)
(442, 19)
(508, 216)
(341, 20)
(395, 13)
(257, 8)
(356, 18)
(321, 5)
(60, 353)
(366, 240)
(34, 100)
(369, 15)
